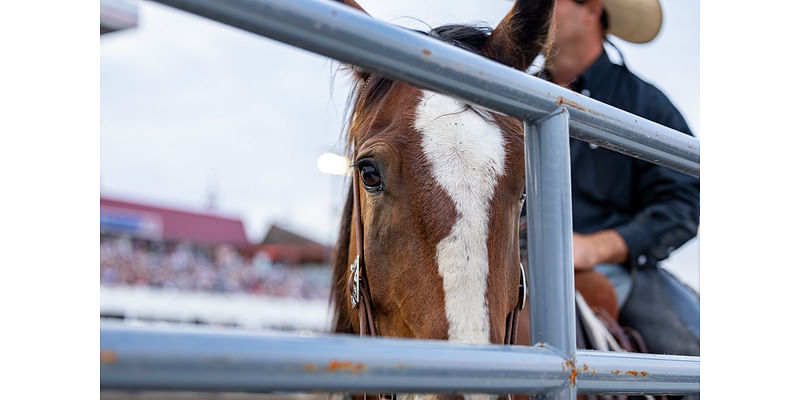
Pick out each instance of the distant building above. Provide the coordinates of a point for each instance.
(284, 246)
(154, 223)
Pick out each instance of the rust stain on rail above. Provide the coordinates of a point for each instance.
(346, 366)
(564, 102)
(108, 357)
(573, 372)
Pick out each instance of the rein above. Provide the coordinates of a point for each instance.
(358, 285)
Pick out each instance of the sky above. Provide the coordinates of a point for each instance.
(190, 107)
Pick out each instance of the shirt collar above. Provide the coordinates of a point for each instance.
(599, 68)
(593, 76)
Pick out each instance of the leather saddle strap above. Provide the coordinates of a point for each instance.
(615, 329)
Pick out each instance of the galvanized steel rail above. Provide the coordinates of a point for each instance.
(224, 360)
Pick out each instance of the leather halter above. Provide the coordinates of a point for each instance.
(358, 286)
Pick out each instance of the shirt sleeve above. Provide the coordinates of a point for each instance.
(667, 201)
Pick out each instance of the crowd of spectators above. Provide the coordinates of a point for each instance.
(183, 266)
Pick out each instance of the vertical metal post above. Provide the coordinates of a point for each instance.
(549, 210)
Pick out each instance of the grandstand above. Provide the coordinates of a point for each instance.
(172, 265)
(150, 222)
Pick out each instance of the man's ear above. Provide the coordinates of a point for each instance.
(522, 34)
(595, 8)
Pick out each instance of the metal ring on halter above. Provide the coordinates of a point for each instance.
(356, 295)
(524, 286)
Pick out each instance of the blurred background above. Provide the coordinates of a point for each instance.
(220, 198)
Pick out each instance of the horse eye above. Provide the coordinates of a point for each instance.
(370, 177)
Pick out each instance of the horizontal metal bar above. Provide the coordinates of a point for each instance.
(336, 31)
(612, 372)
(226, 360)
(216, 359)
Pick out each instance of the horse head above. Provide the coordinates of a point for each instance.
(433, 215)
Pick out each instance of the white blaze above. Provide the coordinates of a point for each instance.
(467, 155)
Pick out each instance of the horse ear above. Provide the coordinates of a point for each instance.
(352, 3)
(522, 34)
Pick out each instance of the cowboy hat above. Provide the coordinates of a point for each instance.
(635, 21)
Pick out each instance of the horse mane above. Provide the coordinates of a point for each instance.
(370, 91)
(339, 299)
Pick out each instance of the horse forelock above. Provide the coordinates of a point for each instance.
(366, 98)
(371, 89)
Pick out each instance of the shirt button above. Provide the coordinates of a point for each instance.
(586, 92)
(642, 259)
(593, 146)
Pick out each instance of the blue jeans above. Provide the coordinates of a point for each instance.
(659, 306)
(620, 278)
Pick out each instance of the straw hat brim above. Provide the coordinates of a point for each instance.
(635, 21)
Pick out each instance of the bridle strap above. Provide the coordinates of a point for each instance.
(360, 297)
(359, 289)
(512, 320)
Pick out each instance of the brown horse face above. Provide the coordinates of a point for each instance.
(440, 186)
(440, 192)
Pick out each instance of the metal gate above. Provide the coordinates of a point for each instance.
(194, 359)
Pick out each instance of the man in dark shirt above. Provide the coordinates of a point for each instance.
(628, 214)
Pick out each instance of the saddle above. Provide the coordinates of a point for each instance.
(596, 309)
(597, 316)
(675, 329)
(596, 320)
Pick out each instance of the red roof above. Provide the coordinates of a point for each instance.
(286, 246)
(172, 224)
